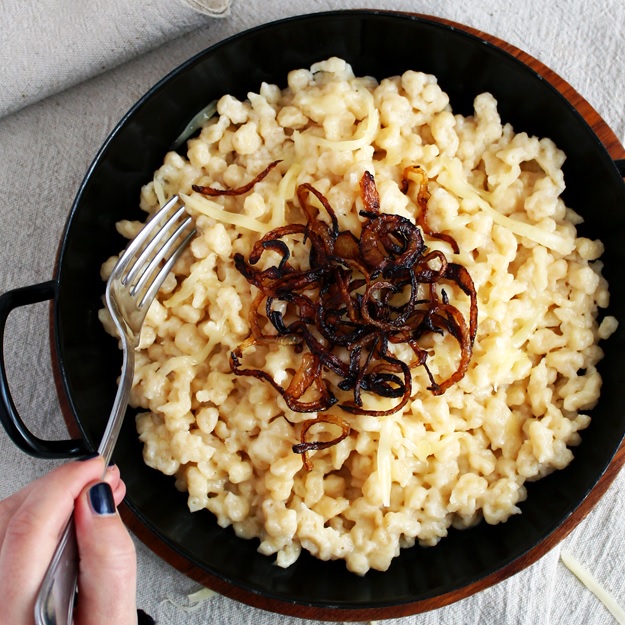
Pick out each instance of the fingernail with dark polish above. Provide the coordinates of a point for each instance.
(89, 456)
(101, 499)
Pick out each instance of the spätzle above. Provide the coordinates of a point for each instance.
(443, 461)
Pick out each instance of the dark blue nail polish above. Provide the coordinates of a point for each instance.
(144, 619)
(101, 499)
(89, 456)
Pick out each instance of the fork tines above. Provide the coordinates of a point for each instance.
(154, 251)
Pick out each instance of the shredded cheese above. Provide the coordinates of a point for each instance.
(196, 600)
(594, 586)
(187, 288)
(453, 179)
(385, 458)
(159, 192)
(522, 335)
(286, 191)
(424, 448)
(216, 211)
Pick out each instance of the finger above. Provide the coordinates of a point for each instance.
(10, 505)
(31, 530)
(108, 567)
(117, 484)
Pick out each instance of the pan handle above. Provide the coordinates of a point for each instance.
(9, 416)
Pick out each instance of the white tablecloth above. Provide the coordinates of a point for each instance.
(71, 69)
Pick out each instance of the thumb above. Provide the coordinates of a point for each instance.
(108, 568)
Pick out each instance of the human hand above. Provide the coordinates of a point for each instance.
(31, 522)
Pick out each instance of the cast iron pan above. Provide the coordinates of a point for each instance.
(87, 361)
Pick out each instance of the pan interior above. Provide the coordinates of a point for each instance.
(380, 45)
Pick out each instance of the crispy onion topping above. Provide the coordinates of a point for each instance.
(305, 446)
(211, 192)
(352, 302)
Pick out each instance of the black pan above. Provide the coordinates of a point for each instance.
(87, 361)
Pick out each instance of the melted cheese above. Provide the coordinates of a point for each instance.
(364, 135)
(213, 340)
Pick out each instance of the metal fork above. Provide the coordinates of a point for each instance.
(130, 289)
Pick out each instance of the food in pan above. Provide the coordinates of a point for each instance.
(386, 324)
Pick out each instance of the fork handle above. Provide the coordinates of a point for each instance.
(9, 416)
(116, 419)
(55, 601)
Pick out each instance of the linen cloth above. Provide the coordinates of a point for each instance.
(91, 80)
(49, 45)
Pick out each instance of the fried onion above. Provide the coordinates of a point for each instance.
(305, 446)
(357, 298)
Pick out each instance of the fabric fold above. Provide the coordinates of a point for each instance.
(64, 42)
(214, 8)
